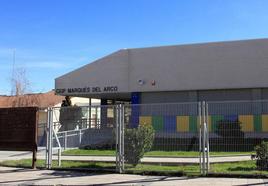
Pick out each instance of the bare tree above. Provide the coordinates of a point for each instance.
(20, 89)
(20, 84)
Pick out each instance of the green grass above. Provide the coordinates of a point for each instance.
(140, 168)
(181, 168)
(242, 168)
(89, 152)
(151, 153)
(26, 163)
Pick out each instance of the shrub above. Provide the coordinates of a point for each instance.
(262, 156)
(137, 142)
(229, 129)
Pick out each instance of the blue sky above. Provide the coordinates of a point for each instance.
(52, 37)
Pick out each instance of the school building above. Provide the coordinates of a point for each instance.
(217, 71)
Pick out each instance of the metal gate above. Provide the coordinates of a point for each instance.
(180, 136)
(80, 127)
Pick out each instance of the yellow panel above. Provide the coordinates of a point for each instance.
(265, 123)
(209, 123)
(247, 123)
(145, 120)
(182, 123)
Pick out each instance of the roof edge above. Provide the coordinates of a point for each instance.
(199, 43)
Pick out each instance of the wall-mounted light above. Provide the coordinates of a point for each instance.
(153, 82)
(141, 82)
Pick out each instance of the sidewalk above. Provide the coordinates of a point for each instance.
(15, 176)
(149, 160)
(167, 160)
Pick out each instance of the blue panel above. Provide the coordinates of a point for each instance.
(231, 118)
(135, 111)
(135, 114)
(170, 123)
(135, 98)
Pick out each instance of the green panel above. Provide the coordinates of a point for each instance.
(158, 123)
(214, 121)
(257, 123)
(193, 124)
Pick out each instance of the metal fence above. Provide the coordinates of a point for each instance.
(237, 128)
(198, 137)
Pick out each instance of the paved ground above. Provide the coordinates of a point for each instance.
(11, 155)
(158, 159)
(18, 176)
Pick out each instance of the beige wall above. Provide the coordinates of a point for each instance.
(42, 120)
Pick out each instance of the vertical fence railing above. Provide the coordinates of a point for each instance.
(122, 135)
(47, 139)
(205, 140)
(117, 139)
(203, 169)
(49, 144)
(120, 138)
(200, 125)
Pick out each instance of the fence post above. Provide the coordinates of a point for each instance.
(117, 138)
(51, 137)
(49, 145)
(47, 139)
(203, 138)
(122, 137)
(207, 140)
(200, 135)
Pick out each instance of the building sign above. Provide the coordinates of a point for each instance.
(96, 89)
(18, 129)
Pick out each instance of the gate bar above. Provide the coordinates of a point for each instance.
(200, 135)
(117, 140)
(122, 136)
(203, 138)
(47, 137)
(207, 139)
